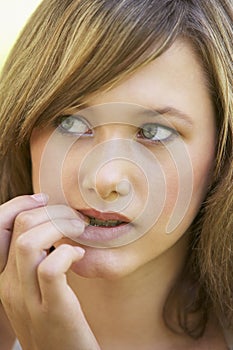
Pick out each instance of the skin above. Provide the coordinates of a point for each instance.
(180, 84)
(121, 290)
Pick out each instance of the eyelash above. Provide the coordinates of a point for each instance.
(146, 128)
(58, 124)
(159, 128)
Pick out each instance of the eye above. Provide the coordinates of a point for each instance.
(74, 125)
(156, 133)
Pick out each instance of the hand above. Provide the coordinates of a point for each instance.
(44, 311)
(7, 217)
(7, 336)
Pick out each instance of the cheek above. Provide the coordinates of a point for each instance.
(36, 148)
(203, 172)
(172, 190)
(186, 189)
(42, 167)
(70, 173)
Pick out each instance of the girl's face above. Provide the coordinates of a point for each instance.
(137, 160)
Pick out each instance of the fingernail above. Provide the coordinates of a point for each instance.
(80, 250)
(84, 218)
(78, 223)
(41, 197)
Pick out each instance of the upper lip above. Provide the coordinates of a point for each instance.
(104, 216)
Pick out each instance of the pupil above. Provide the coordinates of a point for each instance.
(149, 131)
(67, 123)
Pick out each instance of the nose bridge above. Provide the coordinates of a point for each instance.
(116, 141)
(114, 168)
(113, 171)
(116, 150)
(110, 166)
(114, 131)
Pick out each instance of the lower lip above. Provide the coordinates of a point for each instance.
(104, 234)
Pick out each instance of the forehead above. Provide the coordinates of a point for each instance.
(176, 78)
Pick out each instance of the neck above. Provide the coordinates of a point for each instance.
(133, 304)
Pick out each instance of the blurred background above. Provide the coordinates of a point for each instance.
(13, 15)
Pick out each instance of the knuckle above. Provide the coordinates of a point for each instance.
(65, 249)
(23, 221)
(23, 245)
(67, 211)
(47, 272)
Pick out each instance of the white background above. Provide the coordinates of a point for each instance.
(13, 15)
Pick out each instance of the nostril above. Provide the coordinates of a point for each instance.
(109, 197)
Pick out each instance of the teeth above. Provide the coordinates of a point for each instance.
(107, 223)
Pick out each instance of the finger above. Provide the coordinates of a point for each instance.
(10, 209)
(8, 212)
(31, 248)
(52, 275)
(31, 218)
(59, 302)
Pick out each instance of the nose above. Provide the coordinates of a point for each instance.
(111, 180)
(109, 171)
(112, 175)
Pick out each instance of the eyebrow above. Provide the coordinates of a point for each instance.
(169, 111)
(156, 112)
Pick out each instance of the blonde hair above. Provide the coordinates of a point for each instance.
(70, 50)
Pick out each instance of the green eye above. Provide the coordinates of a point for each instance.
(67, 123)
(155, 132)
(74, 125)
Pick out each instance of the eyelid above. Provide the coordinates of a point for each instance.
(75, 116)
(173, 131)
(159, 125)
(78, 117)
(83, 119)
(180, 126)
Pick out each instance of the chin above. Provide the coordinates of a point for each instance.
(110, 264)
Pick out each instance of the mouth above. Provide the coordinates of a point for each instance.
(102, 219)
(104, 229)
(105, 223)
